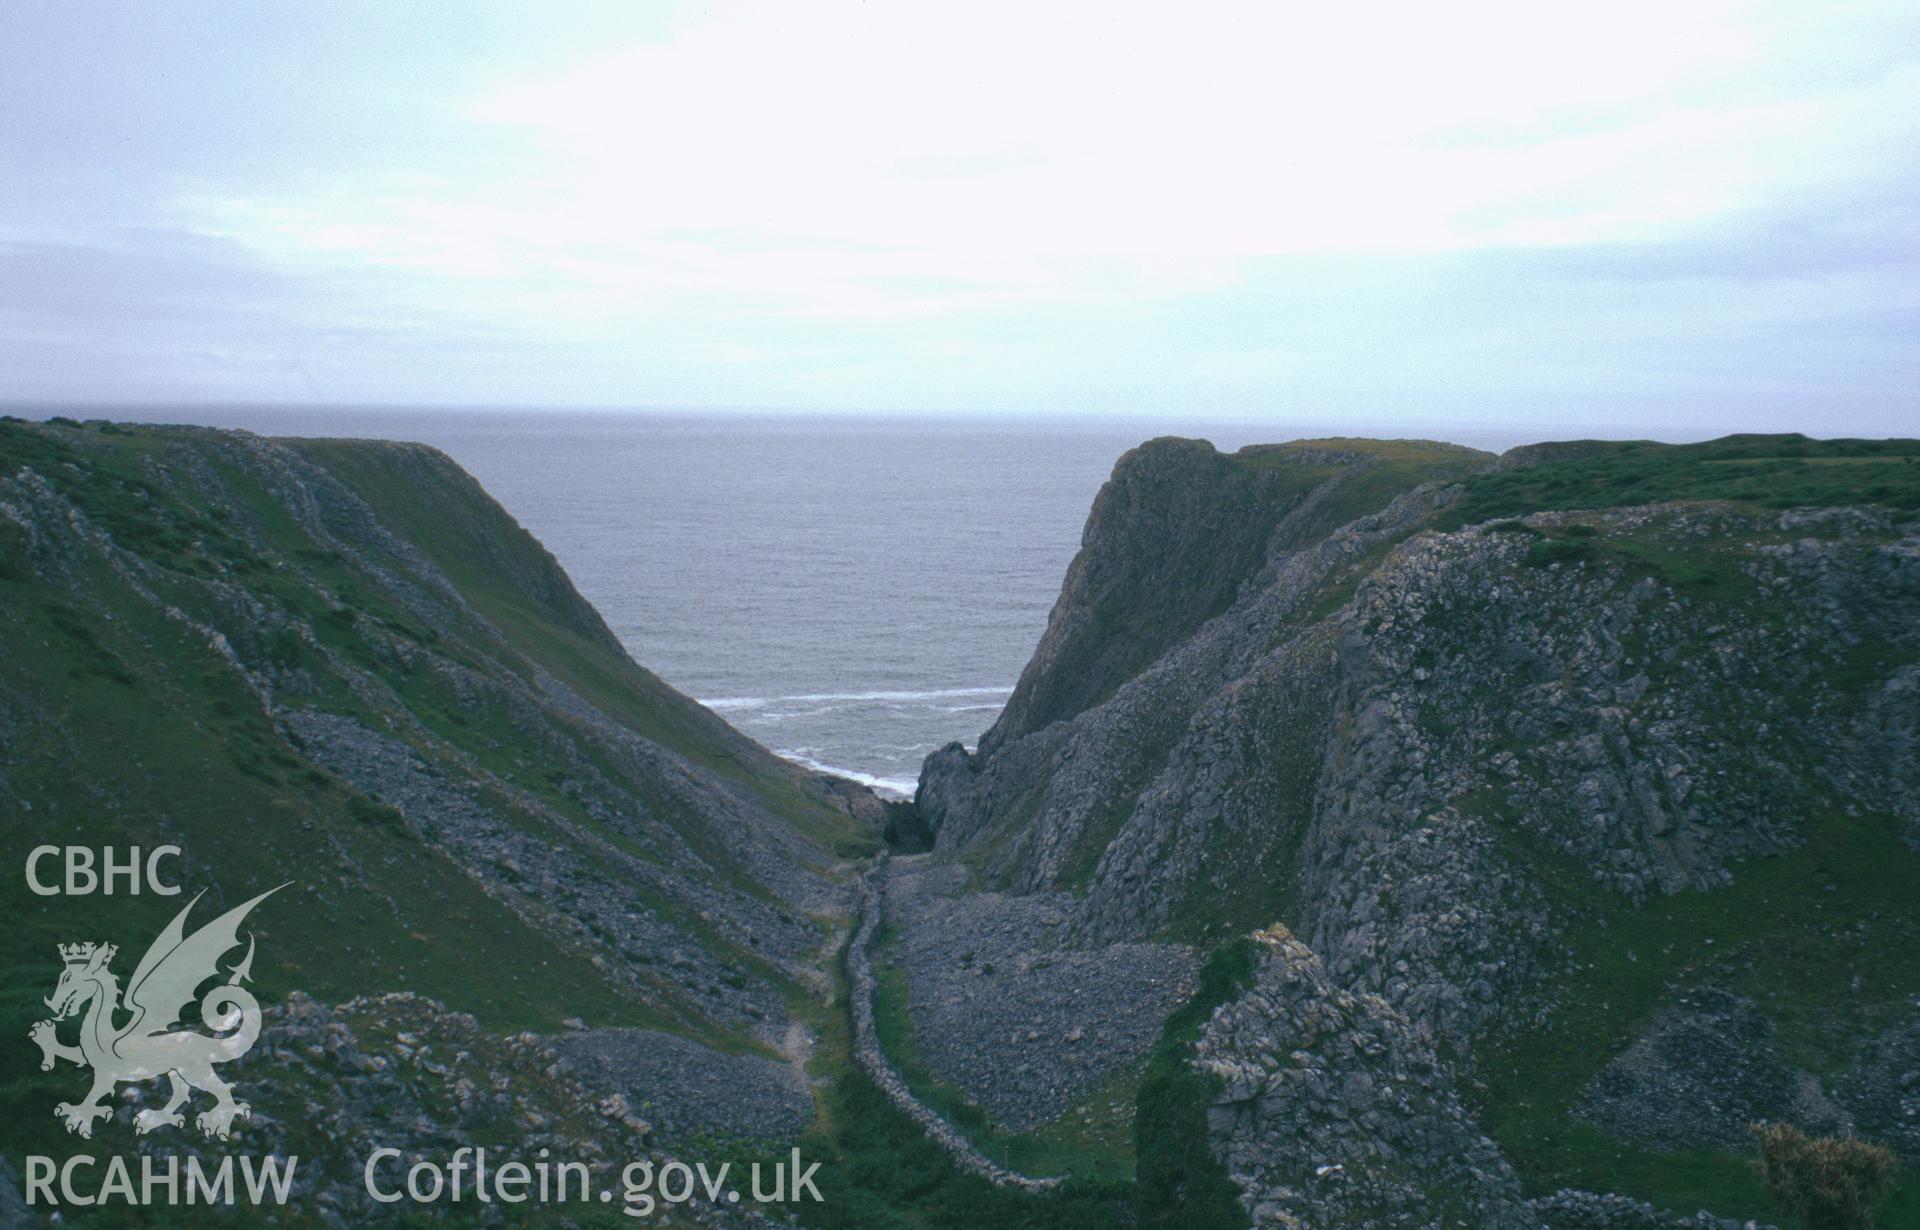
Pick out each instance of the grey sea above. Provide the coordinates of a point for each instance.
(853, 592)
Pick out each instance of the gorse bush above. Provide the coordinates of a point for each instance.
(1827, 1182)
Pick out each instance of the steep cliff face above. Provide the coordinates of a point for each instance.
(1540, 787)
(340, 663)
(1044, 801)
(1172, 538)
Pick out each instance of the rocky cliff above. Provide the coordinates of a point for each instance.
(1545, 764)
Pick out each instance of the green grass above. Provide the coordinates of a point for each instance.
(192, 743)
(880, 1171)
(173, 746)
(1177, 1184)
(218, 778)
(1773, 472)
(1793, 932)
(142, 731)
(1181, 1185)
(1390, 468)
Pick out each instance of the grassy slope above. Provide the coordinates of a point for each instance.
(485, 552)
(182, 728)
(123, 726)
(1792, 932)
(882, 1172)
(142, 733)
(1774, 472)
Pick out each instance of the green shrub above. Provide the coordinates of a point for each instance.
(860, 846)
(1181, 1185)
(1557, 551)
(379, 815)
(1826, 1182)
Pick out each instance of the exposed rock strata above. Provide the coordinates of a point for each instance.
(1443, 757)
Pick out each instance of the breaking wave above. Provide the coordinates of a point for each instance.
(900, 788)
(733, 704)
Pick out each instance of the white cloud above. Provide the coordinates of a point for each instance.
(879, 160)
(855, 203)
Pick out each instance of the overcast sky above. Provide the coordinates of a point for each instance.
(1649, 218)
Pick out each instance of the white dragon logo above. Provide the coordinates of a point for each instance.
(145, 1045)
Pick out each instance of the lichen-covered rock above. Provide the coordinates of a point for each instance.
(1334, 1110)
